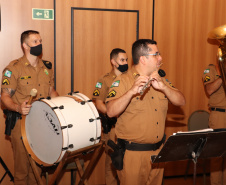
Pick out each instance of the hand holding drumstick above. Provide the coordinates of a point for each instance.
(25, 107)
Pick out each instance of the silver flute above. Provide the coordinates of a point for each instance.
(145, 86)
(149, 81)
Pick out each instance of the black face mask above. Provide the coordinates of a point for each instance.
(36, 50)
(122, 68)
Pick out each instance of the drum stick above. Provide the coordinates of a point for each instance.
(33, 94)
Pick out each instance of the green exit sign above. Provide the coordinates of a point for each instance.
(42, 14)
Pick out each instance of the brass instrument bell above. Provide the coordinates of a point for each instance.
(219, 34)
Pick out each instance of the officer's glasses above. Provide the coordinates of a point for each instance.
(153, 54)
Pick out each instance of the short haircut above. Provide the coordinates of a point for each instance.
(26, 34)
(115, 52)
(140, 48)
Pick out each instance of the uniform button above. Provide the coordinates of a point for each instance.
(152, 97)
(155, 109)
(157, 136)
(40, 94)
(38, 84)
(157, 123)
(27, 82)
(137, 98)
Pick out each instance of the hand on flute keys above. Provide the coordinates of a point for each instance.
(153, 77)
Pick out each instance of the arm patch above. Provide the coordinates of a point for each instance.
(207, 78)
(111, 94)
(96, 92)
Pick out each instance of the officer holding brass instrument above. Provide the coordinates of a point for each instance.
(215, 87)
(119, 64)
(217, 103)
(141, 118)
(18, 78)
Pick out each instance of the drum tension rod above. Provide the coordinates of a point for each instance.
(68, 126)
(69, 146)
(70, 93)
(60, 107)
(92, 139)
(91, 119)
(83, 102)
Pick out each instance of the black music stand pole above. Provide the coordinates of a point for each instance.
(6, 171)
(193, 145)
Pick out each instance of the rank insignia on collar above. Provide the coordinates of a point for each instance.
(135, 75)
(111, 94)
(99, 85)
(5, 82)
(8, 73)
(96, 92)
(115, 84)
(207, 78)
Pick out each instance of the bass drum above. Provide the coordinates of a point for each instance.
(56, 125)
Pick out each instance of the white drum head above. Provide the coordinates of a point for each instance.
(43, 131)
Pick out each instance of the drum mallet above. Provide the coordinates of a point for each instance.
(33, 94)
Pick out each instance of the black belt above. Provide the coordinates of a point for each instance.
(217, 109)
(141, 147)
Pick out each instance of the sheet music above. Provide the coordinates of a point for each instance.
(194, 131)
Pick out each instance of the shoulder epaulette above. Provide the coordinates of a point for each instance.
(47, 64)
(107, 74)
(14, 62)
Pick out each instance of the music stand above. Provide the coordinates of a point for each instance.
(192, 145)
(7, 171)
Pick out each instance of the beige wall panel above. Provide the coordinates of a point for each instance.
(63, 30)
(102, 31)
(181, 30)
